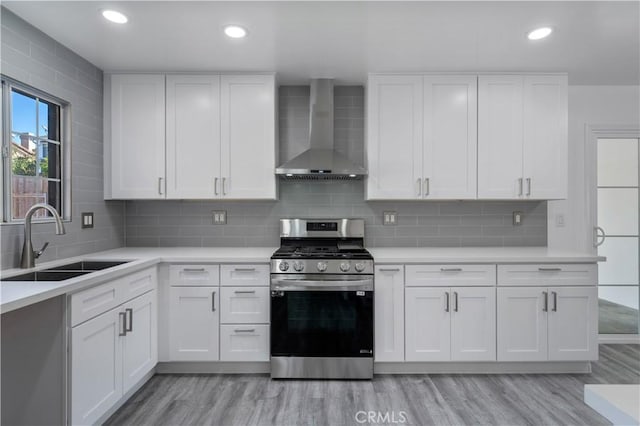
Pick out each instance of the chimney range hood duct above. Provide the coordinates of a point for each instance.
(320, 161)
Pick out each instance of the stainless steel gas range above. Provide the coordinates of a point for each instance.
(322, 301)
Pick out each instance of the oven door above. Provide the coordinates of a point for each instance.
(322, 316)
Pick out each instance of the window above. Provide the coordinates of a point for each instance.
(32, 151)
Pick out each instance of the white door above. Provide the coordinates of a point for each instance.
(394, 137)
(522, 323)
(500, 136)
(617, 217)
(427, 324)
(244, 342)
(473, 324)
(573, 323)
(248, 136)
(389, 313)
(194, 323)
(193, 136)
(545, 137)
(140, 344)
(137, 136)
(96, 367)
(450, 137)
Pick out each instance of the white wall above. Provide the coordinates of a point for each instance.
(588, 105)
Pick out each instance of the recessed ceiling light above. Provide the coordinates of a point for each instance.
(235, 31)
(539, 33)
(115, 16)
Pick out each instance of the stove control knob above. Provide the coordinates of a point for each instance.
(283, 266)
(298, 266)
(322, 266)
(345, 266)
(360, 267)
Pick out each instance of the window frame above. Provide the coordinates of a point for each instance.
(6, 87)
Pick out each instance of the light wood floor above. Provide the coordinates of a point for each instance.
(510, 399)
(616, 319)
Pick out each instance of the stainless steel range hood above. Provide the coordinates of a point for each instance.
(320, 161)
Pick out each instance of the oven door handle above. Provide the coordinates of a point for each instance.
(284, 284)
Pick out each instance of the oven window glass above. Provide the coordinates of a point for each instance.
(322, 323)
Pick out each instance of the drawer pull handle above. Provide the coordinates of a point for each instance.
(122, 318)
(129, 312)
(545, 306)
(451, 269)
(245, 292)
(193, 269)
(389, 269)
(245, 269)
(244, 330)
(549, 269)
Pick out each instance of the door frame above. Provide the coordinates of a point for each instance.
(592, 134)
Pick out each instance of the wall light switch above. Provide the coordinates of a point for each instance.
(518, 217)
(87, 220)
(560, 220)
(389, 218)
(219, 217)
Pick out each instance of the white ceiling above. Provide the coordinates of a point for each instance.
(595, 42)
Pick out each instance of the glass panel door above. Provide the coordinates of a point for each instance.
(618, 277)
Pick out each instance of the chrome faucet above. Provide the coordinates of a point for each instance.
(29, 256)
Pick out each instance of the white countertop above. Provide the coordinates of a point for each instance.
(18, 294)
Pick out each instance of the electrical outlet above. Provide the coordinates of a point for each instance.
(87, 220)
(219, 217)
(518, 217)
(390, 218)
(560, 220)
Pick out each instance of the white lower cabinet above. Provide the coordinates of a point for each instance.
(194, 323)
(244, 342)
(244, 305)
(389, 313)
(110, 354)
(547, 323)
(450, 324)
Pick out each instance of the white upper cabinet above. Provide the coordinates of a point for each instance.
(193, 136)
(449, 141)
(394, 137)
(134, 152)
(522, 137)
(248, 137)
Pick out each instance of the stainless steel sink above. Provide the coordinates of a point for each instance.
(47, 276)
(88, 265)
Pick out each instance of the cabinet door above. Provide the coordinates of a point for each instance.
(96, 367)
(389, 313)
(500, 136)
(248, 137)
(193, 136)
(427, 324)
(545, 137)
(194, 323)
(522, 324)
(140, 344)
(473, 324)
(394, 137)
(244, 342)
(450, 137)
(573, 324)
(137, 136)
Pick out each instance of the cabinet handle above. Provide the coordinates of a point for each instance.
(555, 301)
(122, 322)
(244, 269)
(520, 187)
(389, 269)
(244, 330)
(213, 301)
(450, 269)
(427, 187)
(455, 301)
(528, 187)
(160, 186)
(245, 292)
(545, 301)
(446, 301)
(224, 186)
(419, 182)
(549, 269)
(193, 269)
(215, 186)
(129, 311)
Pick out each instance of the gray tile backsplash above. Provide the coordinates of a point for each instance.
(32, 57)
(420, 224)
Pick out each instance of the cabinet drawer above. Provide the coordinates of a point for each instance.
(248, 342)
(548, 274)
(95, 301)
(139, 283)
(244, 305)
(450, 275)
(250, 275)
(194, 275)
